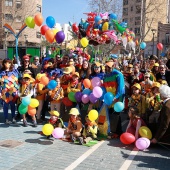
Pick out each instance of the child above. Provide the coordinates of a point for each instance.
(74, 126)
(26, 89)
(135, 122)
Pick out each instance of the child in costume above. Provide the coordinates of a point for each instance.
(26, 90)
(135, 122)
(74, 128)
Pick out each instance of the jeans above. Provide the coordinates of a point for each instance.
(5, 109)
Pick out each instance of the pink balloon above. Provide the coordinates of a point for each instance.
(142, 143)
(58, 133)
(85, 98)
(96, 82)
(97, 92)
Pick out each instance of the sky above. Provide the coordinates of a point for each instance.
(64, 11)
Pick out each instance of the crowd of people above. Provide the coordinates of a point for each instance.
(142, 85)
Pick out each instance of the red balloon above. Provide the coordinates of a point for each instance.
(75, 28)
(160, 46)
(44, 28)
(127, 138)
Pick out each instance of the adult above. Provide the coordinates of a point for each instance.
(154, 71)
(36, 67)
(163, 131)
(152, 60)
(85, 70)
(65, 61)
(78, 66)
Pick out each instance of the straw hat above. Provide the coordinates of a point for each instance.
(137, 85)
(74, 111)
(26, 76)
(67, 70)
(76, 73)
(156, 84)
(54, 113)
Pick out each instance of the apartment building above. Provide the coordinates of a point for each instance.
(14, 12)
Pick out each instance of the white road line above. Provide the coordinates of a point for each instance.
(84, 156)
(129, 160)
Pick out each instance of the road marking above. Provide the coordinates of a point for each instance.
(84, 156)
(129, 160)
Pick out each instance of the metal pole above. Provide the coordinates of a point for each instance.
(153, 44)
(16, 49)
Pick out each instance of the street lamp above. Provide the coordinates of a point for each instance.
(153, 32)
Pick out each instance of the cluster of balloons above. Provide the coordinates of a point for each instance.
(51, 34)
(48, 129)
(29, 105)
(100, 29)
(51, 84)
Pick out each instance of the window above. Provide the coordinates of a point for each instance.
(8, 2)
(138, 9)
(125, 2)
(137, 18)
(8, 17)
(167, 38)
(38, 8)
(18, 4)
(131, 8)
(125, 11)
(137, 31)
(18, 19)
(38, 34)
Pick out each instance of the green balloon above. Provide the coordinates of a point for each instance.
(22, 109)
(71, 96)
(30, 22)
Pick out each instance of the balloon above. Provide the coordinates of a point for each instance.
(142, 143)
(60, 36)
(96, 82)
(113, 16)
(87, 83)
(34, 103)
(26, 101)
(44, 80)
(67, 102)
(86, 91)
(78, 96)
(84, 42)
(58, 133)
(97, 19)
(32, 111)
(50, 21)
(47, 129)
(22, 109)
(75, 28)
(160, 46)
(85, 98)
(145, 132)
(92, 98)
(29, 21)
(127, 138)
(97, 92)
(38, 19)
(71, 96)
(43, 29)
(105, 26)
(55, 31)
(103, 93)
(142, 45)
(118, 106)
(108, 98)
(93, 115)
(49, 35)
(52, 84)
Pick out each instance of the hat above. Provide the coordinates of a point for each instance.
(97, 64)
(114, 56)
(153, 57)
(76, 73)
(137, 85)
(156, 65)
(109, 64)
(67, 70)
(26, 57)
(26, 76)
(54, 113)
(39, 75)
(147, 74)
(74, 111)
(130, 65)
(156, 84)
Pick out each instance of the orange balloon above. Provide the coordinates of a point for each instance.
(44, 80)
(32, 112)
(87, 83)
(49, 35)
(38, 19)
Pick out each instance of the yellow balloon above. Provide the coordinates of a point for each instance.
(34, 103)
(105, 26)
(84, 42)
(93, 115)
(55, 31)
(47, 129)
(145, 132)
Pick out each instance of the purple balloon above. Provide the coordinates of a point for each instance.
(96, 82)
(78, 96)
(97, 92)
(60, 36)
(85, 98)
(142, 143)
(92, 98)
(58, 133)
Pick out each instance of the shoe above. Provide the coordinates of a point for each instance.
(39, 121)
(7, 122)
(34, 123)
(80, 139)
(73, 139)
(14, 121)
(25, 123)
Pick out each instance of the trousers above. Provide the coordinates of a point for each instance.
(5, 109)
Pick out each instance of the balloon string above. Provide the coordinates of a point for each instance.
(164, 146)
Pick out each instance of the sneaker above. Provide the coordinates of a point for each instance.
(25, 123)
(34, 123)
(14, 121)
(7, 122)
(73, 139)
(80, 139)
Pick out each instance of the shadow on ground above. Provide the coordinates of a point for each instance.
(38, 141)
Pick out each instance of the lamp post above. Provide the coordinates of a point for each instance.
(153, 32)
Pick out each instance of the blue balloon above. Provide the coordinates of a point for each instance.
(97, 19)
(113, 16)
(100, 27)
(108, 98)
(26, 101)
(114, 56)
(50, 21)
(52, 84)
(142, 45)
(104, 92)
(118, 106)
(162, 54)
(87, 91)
